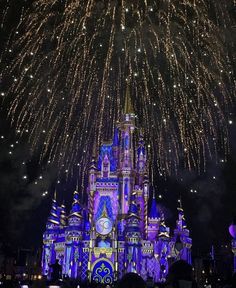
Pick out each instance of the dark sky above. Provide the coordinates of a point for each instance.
(24, 207)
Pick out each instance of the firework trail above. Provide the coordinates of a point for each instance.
(71, 60)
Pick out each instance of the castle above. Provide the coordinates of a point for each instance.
(121, 229)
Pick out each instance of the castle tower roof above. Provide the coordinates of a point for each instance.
(63, 215)
(181, 222)
(54, 213)
(128, 105)
(76, 207)
(154, 213)
(93, 161)
(133, 208)
(163, 230)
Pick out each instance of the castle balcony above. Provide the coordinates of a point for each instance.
(103, 250)
(60, 247)
(147, 248)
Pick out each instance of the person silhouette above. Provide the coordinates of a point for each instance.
(56, 271)
(180, 275)
(131, 280)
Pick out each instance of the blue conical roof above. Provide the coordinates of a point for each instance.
(63, 215)
(54, 217)
(154, 213)
(76, 207)
(133, 208)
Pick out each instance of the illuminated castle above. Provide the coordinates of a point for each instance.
(121, 229)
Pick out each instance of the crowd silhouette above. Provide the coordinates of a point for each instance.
(180, 275)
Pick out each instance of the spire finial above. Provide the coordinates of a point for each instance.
(76, 207)
(104, 211)
(154, 211)
(128, 105)
(77, 185)
(133, 207)
(141, 132)
(153, 194)
(55, 194)
(152, 177)
(94, 155)
(180, 201)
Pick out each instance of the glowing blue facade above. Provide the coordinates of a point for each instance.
(121, 230)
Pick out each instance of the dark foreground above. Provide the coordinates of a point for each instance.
(180, 275)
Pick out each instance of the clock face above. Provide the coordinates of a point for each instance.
(103, 226)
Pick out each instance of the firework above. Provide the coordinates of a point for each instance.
(71, 60)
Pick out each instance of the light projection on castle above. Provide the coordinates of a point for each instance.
(120, 229)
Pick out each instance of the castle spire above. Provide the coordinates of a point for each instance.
(63, 215)
(180, 202)
(55, 195)
(141, 147)
(54, 217)
(163, 230)
(133, 207)
(93, 160)
(181, 223)
(76, 207)
(154, 213)
(94, 154)
(104, 211)
(128, 105)
(77, 185)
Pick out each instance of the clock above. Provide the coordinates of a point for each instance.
(103, 225)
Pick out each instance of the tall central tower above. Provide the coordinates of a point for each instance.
(126, 161)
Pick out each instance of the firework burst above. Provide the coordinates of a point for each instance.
(71, 60)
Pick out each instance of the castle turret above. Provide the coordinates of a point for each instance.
(133, 237)
(153, 220)
(127, 127)
(162, 247)
(49, 238)
(62, 216)
(74, 236)
(92, 183)
(183, 242)
(92, 173)
(141, 159)
(145, 197)
(106, 166)
(126, 164)
(115, 145)
(75, 216)
(163, 229)
(54, 217)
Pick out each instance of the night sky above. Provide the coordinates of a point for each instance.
(28, 180)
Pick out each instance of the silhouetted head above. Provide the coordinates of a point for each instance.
(131, 280)
(180, 270)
